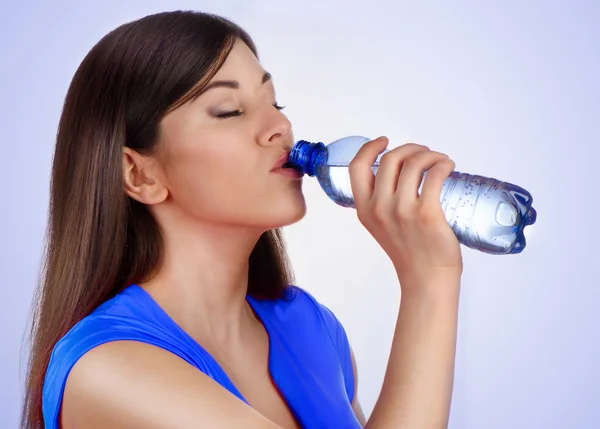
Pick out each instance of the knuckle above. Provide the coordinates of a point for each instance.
(432, 156)
(449, 167)
(427, 216)
(403, 214)
(378, 211)
(439, 154)
(412, 162)
(387, 158)
(416, 146)
(421, 160)
(444, 165)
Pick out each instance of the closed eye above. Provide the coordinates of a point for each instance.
(231, 114)
(237, 113)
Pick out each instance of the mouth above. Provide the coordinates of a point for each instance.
(283, 167)
(282, 161)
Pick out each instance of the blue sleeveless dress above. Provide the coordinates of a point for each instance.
(309, 354)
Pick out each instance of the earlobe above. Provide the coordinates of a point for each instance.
(140, 179)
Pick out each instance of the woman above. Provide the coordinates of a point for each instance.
(166, 300)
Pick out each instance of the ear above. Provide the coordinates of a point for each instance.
(141, 178)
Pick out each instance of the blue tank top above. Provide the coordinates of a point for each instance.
(309, 354)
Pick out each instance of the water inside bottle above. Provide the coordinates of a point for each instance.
(335, 181)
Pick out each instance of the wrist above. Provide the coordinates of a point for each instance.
(433, 287)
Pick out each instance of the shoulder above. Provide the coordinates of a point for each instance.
(298, 300)
(300, 306)
(117, 318)
(306, 323)
(125, 317)
(339, 338)
(306, 302)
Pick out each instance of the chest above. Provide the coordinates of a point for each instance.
(262, 394)
(252, 378)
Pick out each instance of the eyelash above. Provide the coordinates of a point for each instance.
(237, 113)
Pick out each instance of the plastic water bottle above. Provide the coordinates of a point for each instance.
(484, 213)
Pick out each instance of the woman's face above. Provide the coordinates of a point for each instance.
(217, 151)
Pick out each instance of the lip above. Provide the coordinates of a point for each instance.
(290, 173)
(283, 158)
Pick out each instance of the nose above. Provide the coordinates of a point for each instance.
(276, 128)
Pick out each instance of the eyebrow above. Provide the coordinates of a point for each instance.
(231, 84)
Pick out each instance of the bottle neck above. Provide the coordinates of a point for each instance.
(304, 155)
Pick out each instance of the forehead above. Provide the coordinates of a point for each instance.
(240, 63)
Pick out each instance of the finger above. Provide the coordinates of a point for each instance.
(434, 180)
(386, 181)
(411, 175)
(361, 174)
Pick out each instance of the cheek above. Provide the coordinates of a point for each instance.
(214, 172)
(209, 152)
(203, 144)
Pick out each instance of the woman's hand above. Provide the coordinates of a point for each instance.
(410, 228)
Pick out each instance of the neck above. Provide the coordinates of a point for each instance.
(203, 281)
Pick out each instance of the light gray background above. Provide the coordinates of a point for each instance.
(509, 89)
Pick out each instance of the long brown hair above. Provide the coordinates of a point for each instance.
(98, 239)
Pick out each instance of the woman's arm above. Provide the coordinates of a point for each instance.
(358, 411)
(131, 385)
(417, 387)
(418, 382)
(408, 222)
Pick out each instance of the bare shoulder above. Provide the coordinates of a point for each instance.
(128, 384)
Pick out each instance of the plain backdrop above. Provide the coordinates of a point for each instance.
(508, 89)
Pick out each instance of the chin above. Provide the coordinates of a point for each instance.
(284, 215)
